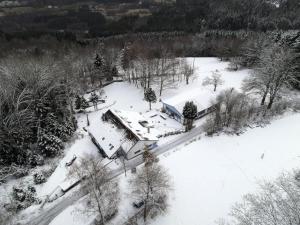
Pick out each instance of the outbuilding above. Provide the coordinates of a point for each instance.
(203, 100)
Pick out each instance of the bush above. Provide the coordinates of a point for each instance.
(36, 160)
(39, 178)
(22, 198)
(233, 111)
(21, 173)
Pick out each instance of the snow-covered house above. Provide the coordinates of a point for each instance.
(202, 99)
(124, 133)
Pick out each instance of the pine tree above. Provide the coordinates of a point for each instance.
(99, 61)
(150, 96)
(190, 114)
(107, 71)
(84, 103)
(114, 72)
(49, 144)
(78, 102)
(125, 58)
(99, 65)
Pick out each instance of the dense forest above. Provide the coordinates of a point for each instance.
(186, 16)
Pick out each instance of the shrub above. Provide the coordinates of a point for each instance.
(22, 198)
(39, 178)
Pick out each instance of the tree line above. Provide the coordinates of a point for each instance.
(187, 16)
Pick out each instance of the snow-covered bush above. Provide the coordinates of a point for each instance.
(279, 108)
(22, 197)
(21, 173)
(35, 160)
(233, 111)
(39, 178)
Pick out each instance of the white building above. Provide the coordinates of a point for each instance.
(125, 133)
(203, 100)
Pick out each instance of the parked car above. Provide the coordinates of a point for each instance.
(138, 204)
(71, 161)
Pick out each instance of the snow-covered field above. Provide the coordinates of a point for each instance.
(211, 174)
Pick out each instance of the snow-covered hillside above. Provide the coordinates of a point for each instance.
(213, 173)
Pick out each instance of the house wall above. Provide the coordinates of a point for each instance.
(138, 148)
(205, 112)
(172, 112)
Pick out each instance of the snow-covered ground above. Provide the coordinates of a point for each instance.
(213, 173)
(209, 174)
(74, 215)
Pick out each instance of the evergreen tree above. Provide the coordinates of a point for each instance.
(150, 96)
(78, 102)
(190, 114)
(81, 103)
(49, 145)
(125, 58)
(84, 103)
(107, 71)
(114, 72)
(99, 61)
(99, 65)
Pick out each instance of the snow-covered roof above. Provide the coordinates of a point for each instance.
(68, 183)
(201, 98)
(142, 128)
(111, 138)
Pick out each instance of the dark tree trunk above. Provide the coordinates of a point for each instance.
(263, 100)
(270, 103)
(145, 212)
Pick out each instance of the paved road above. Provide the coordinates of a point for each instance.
(48, 214)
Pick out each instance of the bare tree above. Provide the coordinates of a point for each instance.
(103, 197)
(214, 80)
(187, 71)
(151, 185)
(276, 203)
(232, 111)
(275, 71)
